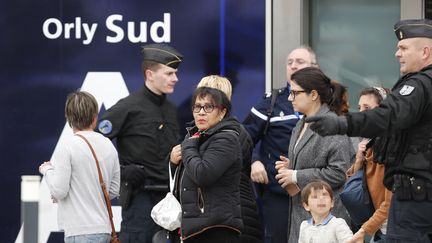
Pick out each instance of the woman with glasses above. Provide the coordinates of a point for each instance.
(310, 156)
(210, 160)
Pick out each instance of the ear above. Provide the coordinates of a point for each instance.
(148, 74)
(223, 112)
(306, 207)
(314, 94)
(427, 52)
(332, 203)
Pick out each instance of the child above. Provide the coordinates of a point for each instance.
(318, 199)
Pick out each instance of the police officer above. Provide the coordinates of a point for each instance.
(271, 122)
(404, 118)
(146, 129)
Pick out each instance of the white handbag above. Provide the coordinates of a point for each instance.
(167, 213)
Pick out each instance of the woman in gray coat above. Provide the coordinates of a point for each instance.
(310, 156)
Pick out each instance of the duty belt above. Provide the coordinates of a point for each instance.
(161, 188)
(406, 187)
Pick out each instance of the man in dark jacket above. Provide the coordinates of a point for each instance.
(405, 119)
(273, 132)
(145, 126)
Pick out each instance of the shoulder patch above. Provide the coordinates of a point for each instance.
(105, 127)
(406, 90)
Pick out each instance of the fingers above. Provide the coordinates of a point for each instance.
(43, 167)
(282, 163)
(258, 173)
(279, 165)
(282, 180)
(259, 177)
(175, 156)
(264, 178)
(284, 159)
(284, 177)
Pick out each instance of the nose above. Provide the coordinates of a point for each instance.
(398, 53)
(290, 97)
(201, 111)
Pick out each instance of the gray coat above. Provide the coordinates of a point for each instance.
(316, 157)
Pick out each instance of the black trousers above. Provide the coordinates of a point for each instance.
(137, 226)
(275, 209)
(409, 221)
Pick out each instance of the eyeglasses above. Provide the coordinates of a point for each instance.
(294, 93)
(207, 108)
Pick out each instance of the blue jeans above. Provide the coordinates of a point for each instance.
(90, 238)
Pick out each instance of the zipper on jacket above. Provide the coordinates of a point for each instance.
(200, 200)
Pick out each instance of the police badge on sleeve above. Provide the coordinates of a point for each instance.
(105, 127)
(406, 90)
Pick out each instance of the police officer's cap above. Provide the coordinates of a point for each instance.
(412, 28)
(162, 53)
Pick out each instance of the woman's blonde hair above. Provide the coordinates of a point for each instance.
(217, 82)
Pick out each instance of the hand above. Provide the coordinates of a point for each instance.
(362, 145)
(44, 167)
(328, 124)
(358, 237)
(258, 173)
(362, 149)
(175, 156)
(284, 177)
(282, 163)
(132, 174)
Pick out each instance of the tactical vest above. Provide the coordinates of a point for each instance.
(409, 151)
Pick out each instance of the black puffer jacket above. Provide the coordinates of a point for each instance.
(210, 179)
(252, 228)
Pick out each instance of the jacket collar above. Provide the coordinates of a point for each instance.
(308, 134)
(154, 98)
(228, 123)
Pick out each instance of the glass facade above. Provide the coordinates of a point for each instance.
(355, 42)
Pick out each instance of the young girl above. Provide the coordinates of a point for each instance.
(318, 200)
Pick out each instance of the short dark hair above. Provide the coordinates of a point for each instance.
(149, 64)
(315, 185)
(218, 97)
(80, 109)
(378, 92)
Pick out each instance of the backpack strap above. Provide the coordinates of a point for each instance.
(275, 93)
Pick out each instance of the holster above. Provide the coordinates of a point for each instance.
(126, 193)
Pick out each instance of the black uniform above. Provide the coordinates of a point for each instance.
(404, 118)
(403, 121)
(146, 129)
(145, 125)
